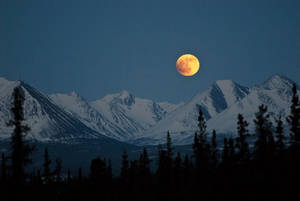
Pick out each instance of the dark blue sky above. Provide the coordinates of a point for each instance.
(100, 47)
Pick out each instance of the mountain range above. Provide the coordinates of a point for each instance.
(126, 118)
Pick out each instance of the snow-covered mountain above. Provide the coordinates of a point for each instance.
(79, 108)
(119, 116)
(182, 122)
(48, 122)
(274, 93)
(132, 114)
(221, 103)
(124, 117)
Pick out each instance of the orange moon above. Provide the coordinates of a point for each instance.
(187, 65)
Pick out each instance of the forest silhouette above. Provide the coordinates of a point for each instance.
(235, 169)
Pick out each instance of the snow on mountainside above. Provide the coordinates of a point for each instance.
(275, 93)
(47, 121)
(124, 117)
(81, 109)
(221, 103)
(133, 115)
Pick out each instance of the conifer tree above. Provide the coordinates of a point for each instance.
(163, 168)
(294, 118)
(46, 165)
(20, 150)
(279, 135)
(214, 151)
(196, 150)
(169, 145)
(169, 151)
(202, 128)
(241, 140)
(98, 171)
(200, 146)
(144, 163)
(228, 153)
(265, 142)
(231, 149)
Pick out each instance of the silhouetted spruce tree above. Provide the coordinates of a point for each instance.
(201, 148)
(20, 150)
(169, 159)
(144, 173)
(279, 135)
(3, 168)
(46, 165)
(144, 163)
(169, 145)
(163, 168)
(294, 118)
(263, 144)
(231, 149)
(58, 169)
(241, 140)
(228, 153)
(202, 128)
(204, 147)
(124, 167)
(196, 150)
(98, 171)
(165, 162)
(214, 150)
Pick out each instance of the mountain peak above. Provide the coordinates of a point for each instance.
(277, 82)
(126, 98)
(74, 94)
(224, 82)
(125, 93)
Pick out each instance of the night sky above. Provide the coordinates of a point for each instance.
(101, 47)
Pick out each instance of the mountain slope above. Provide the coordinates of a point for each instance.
(48, 122)
(221, 103)
(275, 93)
(124, 117)
(132, 114)
(81, 109)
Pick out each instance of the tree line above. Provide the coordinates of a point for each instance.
(235, 169)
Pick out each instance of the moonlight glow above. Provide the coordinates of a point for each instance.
(187, 65)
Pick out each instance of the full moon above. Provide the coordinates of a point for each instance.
(187, 65)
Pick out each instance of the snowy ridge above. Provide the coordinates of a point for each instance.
(182, 122)
(78, 107)
(48, 122)
(133, 115)
(124, 117)
(221, 112)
